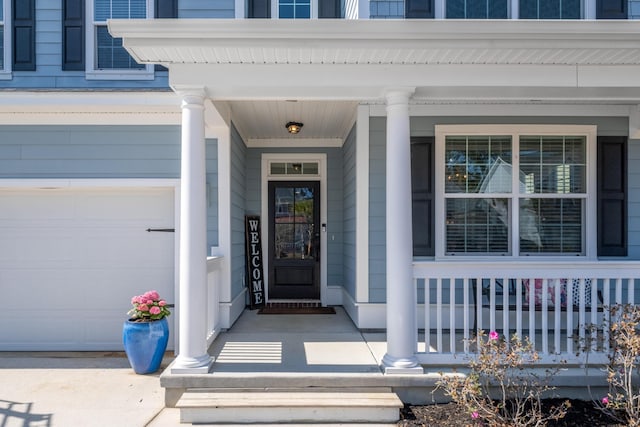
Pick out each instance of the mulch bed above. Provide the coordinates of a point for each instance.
(581, 413)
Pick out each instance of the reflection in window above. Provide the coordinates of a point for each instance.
(294, 227)
(481, 194)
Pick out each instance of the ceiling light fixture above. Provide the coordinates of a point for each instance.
(294, 127)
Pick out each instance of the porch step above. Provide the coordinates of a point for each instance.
(280, 406)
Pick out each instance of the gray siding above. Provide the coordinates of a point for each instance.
(349, 213)
(206, 9)
(89, 151)
(49, 72)
(212, 193)
(634, 198)
(377, 209)
(238, 209)
(634, 9)
(424, 126)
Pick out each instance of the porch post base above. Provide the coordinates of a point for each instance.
(192, 365)
(401, 365)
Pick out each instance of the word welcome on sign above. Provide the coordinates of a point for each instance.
(253, 250)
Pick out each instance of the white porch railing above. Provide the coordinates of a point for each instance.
(459, 297)
(214, 277)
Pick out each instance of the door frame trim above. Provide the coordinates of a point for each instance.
(321, 159)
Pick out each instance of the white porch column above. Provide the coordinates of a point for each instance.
(192, 352)
(401, 295)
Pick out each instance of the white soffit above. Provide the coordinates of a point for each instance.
(416, 42)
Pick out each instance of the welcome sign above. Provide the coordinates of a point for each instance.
(253, 250)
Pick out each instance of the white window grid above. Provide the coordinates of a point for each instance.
(589, 233)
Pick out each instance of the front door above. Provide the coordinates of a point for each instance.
(294, 240)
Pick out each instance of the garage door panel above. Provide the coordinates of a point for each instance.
(71, 259)
(49, 206)
(20, 247)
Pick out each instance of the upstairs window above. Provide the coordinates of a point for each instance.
(294, 9)
(477, 9)
(108, 58)
(516, 191)
(550, 9)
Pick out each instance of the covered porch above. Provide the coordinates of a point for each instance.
(230, 75)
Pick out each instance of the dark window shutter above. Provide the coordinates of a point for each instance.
(259, 9)
(612, 196)
(166, 9)
(73, 35)
(24, 35)
(422, 195)
(611, 9)
(329, 9)
(416, 9)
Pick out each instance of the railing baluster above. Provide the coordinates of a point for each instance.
(439, 314)
(545, 319)
(557, 312)
(632, 291)
(618, 291)
(594, 311)
(465, 303)
(581, 315)
(570, 336)
(519, 307)
(427, 315)
(505, 309)
(452, 317)
(532, 312)
(492, 298)
(478, 307)
(606, 301)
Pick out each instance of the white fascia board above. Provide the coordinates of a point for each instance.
(165, 100)
(359, 81)
(510, 109)
(78, 108)
(138, 32)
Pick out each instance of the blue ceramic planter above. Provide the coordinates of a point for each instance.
(145, 344)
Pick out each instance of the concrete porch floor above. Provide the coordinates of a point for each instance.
(311, 343)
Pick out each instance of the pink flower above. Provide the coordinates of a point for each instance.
(493, 335)
(143, 307)
(475, 415)
(605, 401)
(155, 310)
(162, 303)
(149, 302)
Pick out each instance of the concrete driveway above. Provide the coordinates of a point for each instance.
(92, 389)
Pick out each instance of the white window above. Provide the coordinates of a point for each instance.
(106, 57)
(5, 39)
(547, 208)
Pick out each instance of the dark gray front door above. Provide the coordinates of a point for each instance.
(294, 240)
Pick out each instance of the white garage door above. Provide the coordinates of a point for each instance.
(72, 258)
